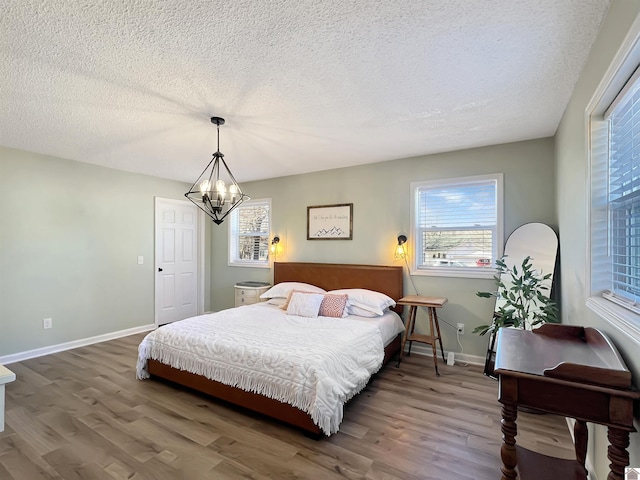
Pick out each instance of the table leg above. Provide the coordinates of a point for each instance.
(508, 451)
(617, 453)
(412, 314)
(432, 331)
(407, 329)
(581, 435)
(2, 407)
(435, 316)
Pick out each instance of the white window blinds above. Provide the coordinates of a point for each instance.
(249, 233)
(624, 191)
(457, 223)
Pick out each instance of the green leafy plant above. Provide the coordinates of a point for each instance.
(524, 302)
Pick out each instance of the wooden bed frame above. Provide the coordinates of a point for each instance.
(384, 279)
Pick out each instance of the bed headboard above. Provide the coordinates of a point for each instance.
(332, 276)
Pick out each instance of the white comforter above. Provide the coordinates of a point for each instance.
(314, 364)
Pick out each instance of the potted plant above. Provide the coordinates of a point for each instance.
(522, 301)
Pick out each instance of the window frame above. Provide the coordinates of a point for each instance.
(619, 73)
(459, 272)
(233, 237)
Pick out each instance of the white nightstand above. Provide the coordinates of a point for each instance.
(6, 376)
(249, 292)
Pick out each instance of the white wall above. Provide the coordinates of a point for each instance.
(572, 192)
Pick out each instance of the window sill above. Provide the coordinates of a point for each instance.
(251, 265)
(624, 320)
(456, 272)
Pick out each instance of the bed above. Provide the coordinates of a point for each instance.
(383, 279)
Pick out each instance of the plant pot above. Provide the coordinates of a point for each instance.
(490, 359)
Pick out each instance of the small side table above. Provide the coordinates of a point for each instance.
(6, 376)
(431, 303)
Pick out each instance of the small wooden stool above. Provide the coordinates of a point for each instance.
(431, 303)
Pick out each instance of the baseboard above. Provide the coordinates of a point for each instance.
(61, 347)
(421, 349)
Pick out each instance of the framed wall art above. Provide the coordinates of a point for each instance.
(330, 222)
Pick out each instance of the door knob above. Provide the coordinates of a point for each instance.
(159, 269)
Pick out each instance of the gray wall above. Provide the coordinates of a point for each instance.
(70, 235)
(572, 169)
(381, 210)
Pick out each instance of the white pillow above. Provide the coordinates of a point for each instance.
(373, 302)
(305, 304)
(360, 312)
(278, 301)
(282, 289)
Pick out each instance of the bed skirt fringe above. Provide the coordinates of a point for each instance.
(323, 416)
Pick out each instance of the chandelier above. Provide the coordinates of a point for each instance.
(210, 193)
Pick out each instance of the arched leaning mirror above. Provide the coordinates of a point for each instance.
(538, 242)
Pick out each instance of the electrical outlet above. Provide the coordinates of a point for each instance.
(47, 323)
(461, 328)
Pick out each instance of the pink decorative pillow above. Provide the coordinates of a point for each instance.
(333, 305)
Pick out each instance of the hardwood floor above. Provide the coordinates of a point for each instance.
(81, 414)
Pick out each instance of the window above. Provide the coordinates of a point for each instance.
(249, 230)
(623, 202)
(457, 226)
(614, 208)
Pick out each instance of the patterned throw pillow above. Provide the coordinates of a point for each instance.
(333, 306)
(285, 304)
(305, 304)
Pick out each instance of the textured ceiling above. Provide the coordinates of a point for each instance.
(304, 85)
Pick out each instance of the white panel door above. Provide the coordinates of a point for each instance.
(176, 260)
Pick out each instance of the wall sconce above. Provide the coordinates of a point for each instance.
(401, 252)
(274, 246)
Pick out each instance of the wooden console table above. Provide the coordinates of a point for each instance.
(565, 370)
